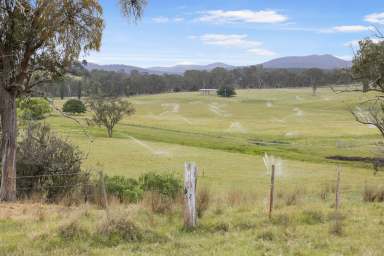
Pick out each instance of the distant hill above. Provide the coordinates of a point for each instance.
(180, 69)
(114, 67)
(312, 61)
(294, 62)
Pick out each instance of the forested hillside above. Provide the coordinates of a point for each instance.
(81, 82)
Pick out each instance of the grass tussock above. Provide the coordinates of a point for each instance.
(203, 201)
(337, 223)
(73, 231)
(158, 203)
(312, 217)
(289, 197)
(373, 193)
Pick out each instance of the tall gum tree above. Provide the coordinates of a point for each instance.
(39, 39)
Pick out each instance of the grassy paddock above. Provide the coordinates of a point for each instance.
(226, 138)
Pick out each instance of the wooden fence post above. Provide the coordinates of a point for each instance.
(338, 170)
(271, 191)
(104, 193)
(190, 181)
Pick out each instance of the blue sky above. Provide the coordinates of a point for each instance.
(237, 32)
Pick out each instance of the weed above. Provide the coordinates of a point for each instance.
(203, 201)
(312, 217)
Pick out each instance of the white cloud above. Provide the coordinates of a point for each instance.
(352, 28)
(160, 19)
(235, 40)
(353, 43)
(163, 19)
(345, 57)
(375, 18)
(262, 52)
(178, 19)
(247, 16)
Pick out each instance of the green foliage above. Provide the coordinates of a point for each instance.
(226, 91)
(33, 108)
(131, 190)
(167, 184)
(74, 106)
(126, 189)
(108, 112)
(368, 65)
(53, 162)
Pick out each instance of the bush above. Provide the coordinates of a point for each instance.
(226, 91)
(160, 187)
(33, 108)
(47, 164)
(125, 189)
(74, 106)
(166, 184)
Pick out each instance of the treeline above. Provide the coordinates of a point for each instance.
(81, 82)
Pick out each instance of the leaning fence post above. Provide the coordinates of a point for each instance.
(104, 193)
(337, 203)
(271, 191)
(190, 181)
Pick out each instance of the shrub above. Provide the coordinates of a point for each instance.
(125, 189)
(47, 164)
(226, 91)
(74, 106)
(33, 108)
(166, 184)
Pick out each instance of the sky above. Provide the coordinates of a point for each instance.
(235, 32)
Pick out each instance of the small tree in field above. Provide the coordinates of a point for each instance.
(108, 113)
(226, 91)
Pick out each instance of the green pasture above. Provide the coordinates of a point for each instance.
(227, 137)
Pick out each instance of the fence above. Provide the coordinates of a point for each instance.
(333, 189)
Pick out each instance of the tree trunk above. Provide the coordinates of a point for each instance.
(8, 145)
(110, 132)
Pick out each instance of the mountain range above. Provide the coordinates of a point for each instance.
(326, 61)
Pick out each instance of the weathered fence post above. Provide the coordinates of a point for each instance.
(104, 193)
(337, 203)
(190, 181)
(272, 191)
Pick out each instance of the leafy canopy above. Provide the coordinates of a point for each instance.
(39, 39)
(108, 112)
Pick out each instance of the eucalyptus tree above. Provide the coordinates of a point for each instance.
(39, 40)
(368, 68)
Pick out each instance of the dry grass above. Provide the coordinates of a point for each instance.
(373, 193)
(203, 201)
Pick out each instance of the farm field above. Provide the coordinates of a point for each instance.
(226, 138)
